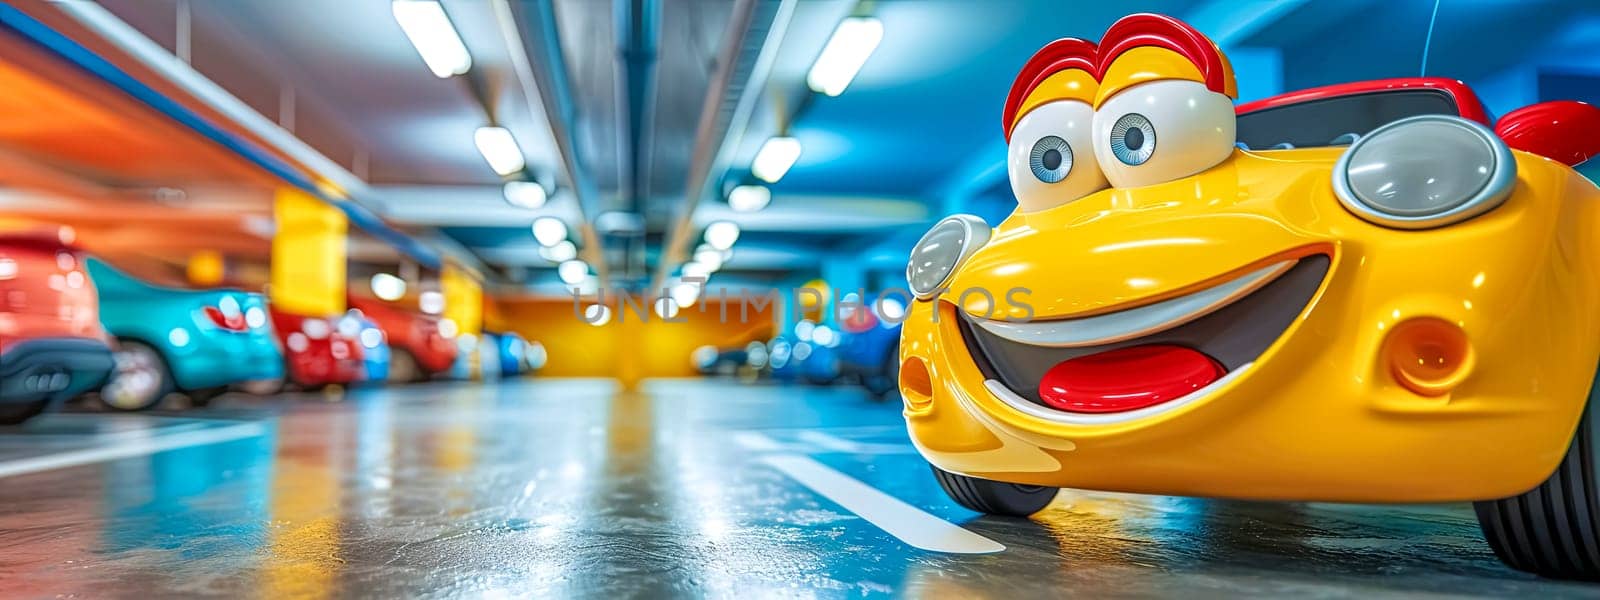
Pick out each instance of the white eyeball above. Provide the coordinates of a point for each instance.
(1162, 130)
(1052, 159)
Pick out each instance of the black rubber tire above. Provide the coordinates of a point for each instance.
(1552, 530)
(994, 497)
(14, 413)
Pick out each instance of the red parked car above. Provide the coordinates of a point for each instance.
(319, 351)
(51, 343)
(420, 347)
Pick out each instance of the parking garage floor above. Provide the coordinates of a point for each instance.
(685, 488)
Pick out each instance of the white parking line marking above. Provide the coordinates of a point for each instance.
(130, 448)
(756, 442)
(905, 522)
(835, 443)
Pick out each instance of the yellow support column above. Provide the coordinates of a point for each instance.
(308, 255)
(463, 303)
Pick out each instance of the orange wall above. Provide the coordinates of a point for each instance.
(625, 348)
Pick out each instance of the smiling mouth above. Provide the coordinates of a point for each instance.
(1144, 360)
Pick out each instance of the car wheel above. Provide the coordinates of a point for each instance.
(1554, 529)
(994, 497)
(141, 378)
(14, 413)
(403, 367)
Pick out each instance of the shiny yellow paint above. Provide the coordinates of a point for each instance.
(1149, 63)
(308, 255)
(1319, 415)
(1067, 84)
(463, 303)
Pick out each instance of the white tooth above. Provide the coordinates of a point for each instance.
(1134, 322)
(1050, 414)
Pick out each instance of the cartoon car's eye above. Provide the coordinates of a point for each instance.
(1425, 171)
(1162, 130)
(1133, 139)
(1051, 161)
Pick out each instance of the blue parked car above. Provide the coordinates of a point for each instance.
(869, 350)
(374, 346)
(513, 354)
(197, 342)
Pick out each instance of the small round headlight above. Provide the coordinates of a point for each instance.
(935, 257)
(1425, 171)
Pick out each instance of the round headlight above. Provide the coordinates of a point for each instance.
(935, 257)
(1425, 171)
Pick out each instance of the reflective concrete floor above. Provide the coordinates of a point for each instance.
(686, 488)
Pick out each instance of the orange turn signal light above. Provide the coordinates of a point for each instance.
(1428, 356)
(915, 383)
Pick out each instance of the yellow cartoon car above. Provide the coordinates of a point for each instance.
(1359, 293)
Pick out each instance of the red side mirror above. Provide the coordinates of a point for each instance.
(1563, 130)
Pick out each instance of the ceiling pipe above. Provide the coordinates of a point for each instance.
(542, 73)
(638, 31)
(755, 31)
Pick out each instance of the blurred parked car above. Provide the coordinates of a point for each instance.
(420, 345)
(484, 349)
(513, 354)
(814, 352)
(320, 351)
(52, 345)
(197, 342)
(534, 357)
(374, 348)
(725, 362)
(869, 347)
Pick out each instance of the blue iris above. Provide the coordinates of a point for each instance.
(1133, 139)
(1051, 159)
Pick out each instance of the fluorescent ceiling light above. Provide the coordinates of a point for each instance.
(573, 272)
(525, 194)
(597, 314)
(499, 149)
(696, 270)
(852, 42)
(562, 251)
(775, 158)
(550, 231)
(749, 198)
(388, 287)
(666, 308)
(710, 258)
(430, 31)
(722, 234)
(684, 294)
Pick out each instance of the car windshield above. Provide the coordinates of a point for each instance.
(1337, 121)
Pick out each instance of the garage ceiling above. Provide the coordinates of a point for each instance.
(914, 136)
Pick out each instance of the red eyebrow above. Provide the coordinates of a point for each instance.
(1161, 31)
(1054, 57)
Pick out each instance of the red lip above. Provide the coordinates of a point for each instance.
(1128, 378)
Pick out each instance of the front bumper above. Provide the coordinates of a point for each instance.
(1319, 416)
(53, 368)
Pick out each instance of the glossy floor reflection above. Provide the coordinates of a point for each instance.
(572, 488)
